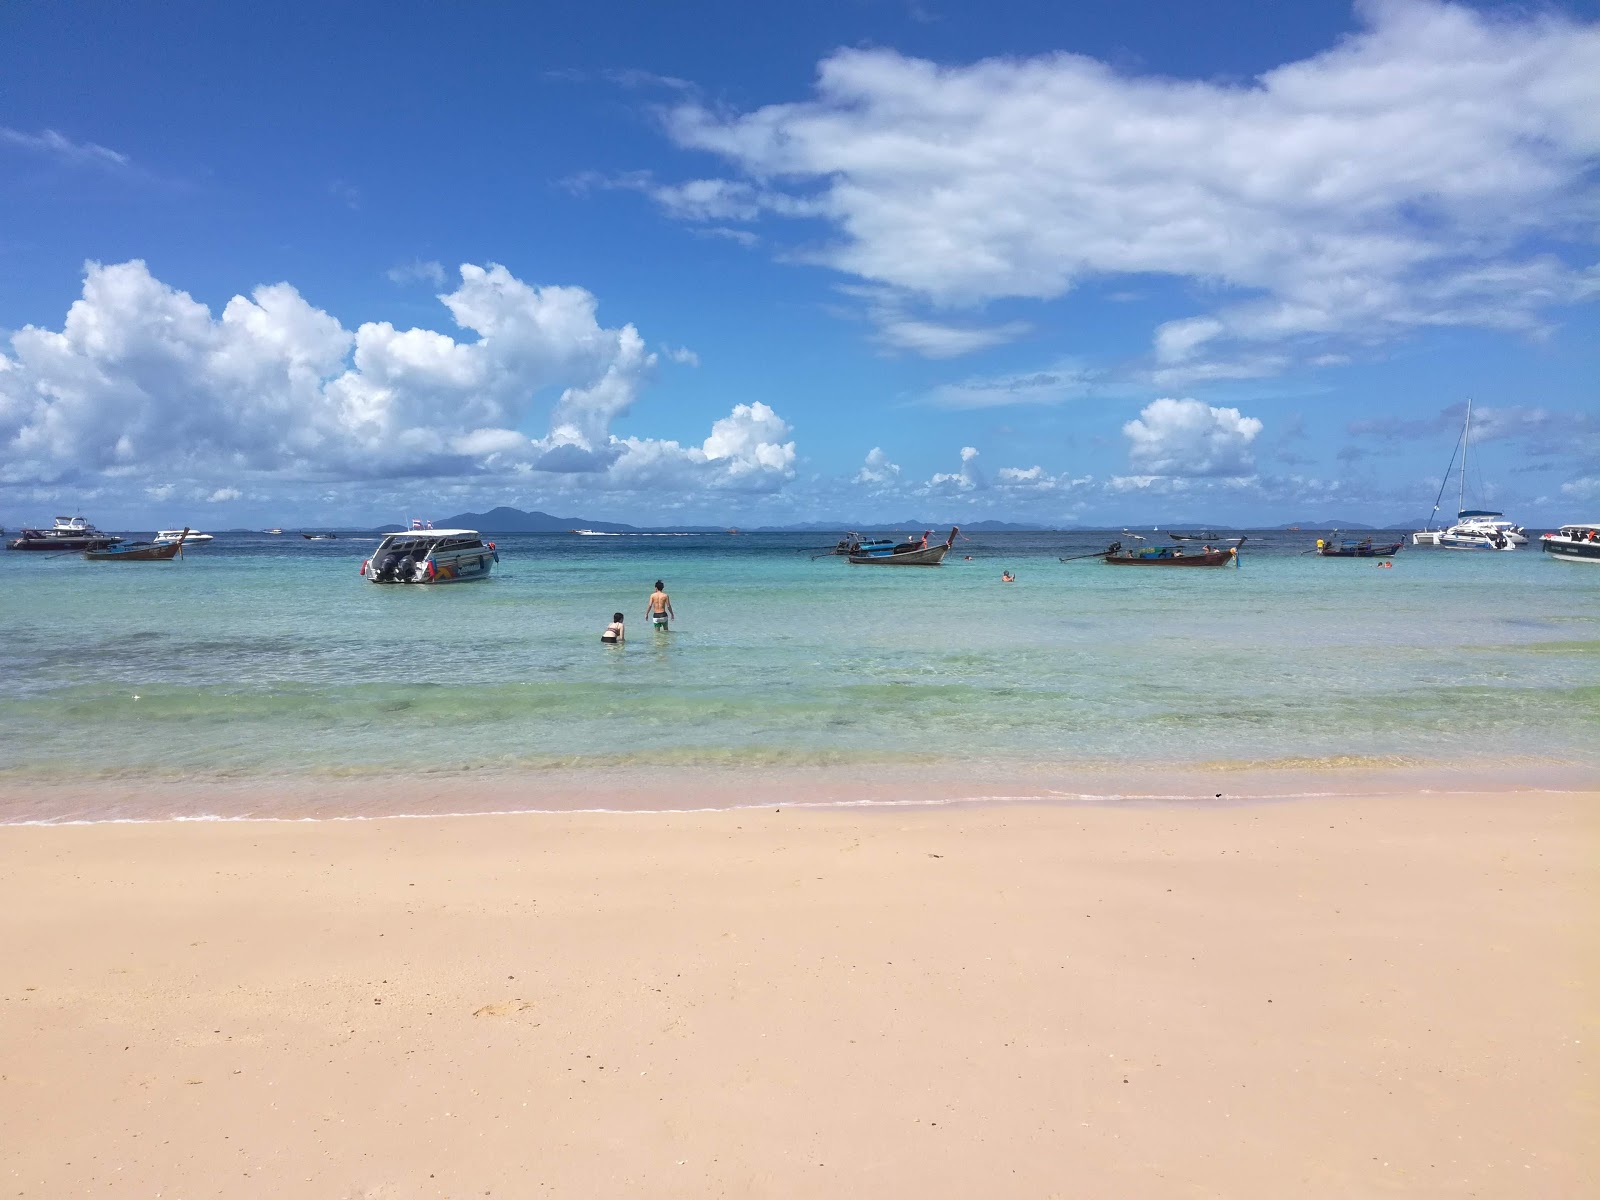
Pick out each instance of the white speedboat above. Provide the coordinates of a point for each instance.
(431, 556)
(167, 536)
(1577, 542)
(1474, 537)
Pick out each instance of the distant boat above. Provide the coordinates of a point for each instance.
(139, 551)
(593, 533)
(320, 537)
(68, 533)
(272, 531)
(190, 537)
(907, 554)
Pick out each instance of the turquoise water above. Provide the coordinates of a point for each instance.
(260, 658)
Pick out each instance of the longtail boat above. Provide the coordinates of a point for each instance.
(139, 551)
(907, 554)
(1170, 556)
(1353, 548)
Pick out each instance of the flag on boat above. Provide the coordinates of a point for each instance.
(416, 523)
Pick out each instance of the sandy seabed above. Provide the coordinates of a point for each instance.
(1338, 997)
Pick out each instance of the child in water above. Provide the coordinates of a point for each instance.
(613, 635)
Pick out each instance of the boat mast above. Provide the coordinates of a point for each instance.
(1466, 430)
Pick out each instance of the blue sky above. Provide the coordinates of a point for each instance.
(746, 264)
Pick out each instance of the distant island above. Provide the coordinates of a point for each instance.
(505, 519)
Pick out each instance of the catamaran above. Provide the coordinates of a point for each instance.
(1475, 528)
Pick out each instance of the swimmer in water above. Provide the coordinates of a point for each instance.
(613, 635)
(1007, 577)
(660, 606)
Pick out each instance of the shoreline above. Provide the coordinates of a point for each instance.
(688, 789)
(1328, 997)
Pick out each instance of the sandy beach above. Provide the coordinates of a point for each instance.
(1391, 995)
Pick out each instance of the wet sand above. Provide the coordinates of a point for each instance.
(1326, 997)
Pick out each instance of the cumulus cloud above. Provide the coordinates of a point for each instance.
(877, 471)
(968, 479)
(1189, 438)
(1582, 489)
(1430, 170)
(223, 495)
(142, 379)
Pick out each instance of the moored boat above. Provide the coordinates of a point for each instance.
(1475, 528)
(1575, 542)
(190, 537)
(907, 554)
(320, 537)
(854, 543)
(1171, 556)
(1356, 547)
(139, 551)
(68, 533)
(431, 556)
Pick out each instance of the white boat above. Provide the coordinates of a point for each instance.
(593, 533)
(168, 536)
(1475, 528)
(1575, 542)
(431, 556)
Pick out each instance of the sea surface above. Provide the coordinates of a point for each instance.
(262, 658)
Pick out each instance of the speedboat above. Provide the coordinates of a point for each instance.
(1468, 536)
(68, 533)
(431, 556)
(189, 539)
(1577, 542)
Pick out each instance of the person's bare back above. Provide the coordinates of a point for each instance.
(660, 607)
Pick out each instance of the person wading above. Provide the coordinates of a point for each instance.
(660, 606)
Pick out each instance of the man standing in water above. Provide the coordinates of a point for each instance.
(660, 606)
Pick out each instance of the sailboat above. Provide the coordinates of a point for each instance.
(1475, 528)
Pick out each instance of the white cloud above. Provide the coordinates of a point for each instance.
(1421, 172)
(681, 355)
(933, 339)
(64, 150)
(877, 471)
(1188, 438)
(1582, 489)
(1055, 385)
(417, 271)
(968, 479)
(222, 495)
(142, 381)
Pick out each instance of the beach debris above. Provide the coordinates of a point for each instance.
(503, 1008)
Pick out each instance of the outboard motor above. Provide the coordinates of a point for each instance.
(387, 568)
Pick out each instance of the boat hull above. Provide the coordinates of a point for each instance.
(930, 556)
(1385, 551)
(1210, 558)
(1578, 552)
(464, 566)
(152, 553)
(62, 545)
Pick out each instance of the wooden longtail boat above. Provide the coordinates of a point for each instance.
(1350, 548)
(1171, 556)
(139, 551)
(908, 554)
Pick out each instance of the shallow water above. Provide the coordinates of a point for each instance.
(260, 658)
